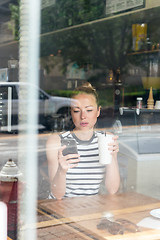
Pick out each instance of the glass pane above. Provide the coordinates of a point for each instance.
(114, 46)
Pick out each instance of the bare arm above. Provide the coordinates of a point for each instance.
(58, 165)
(57, 176)
(112, 180)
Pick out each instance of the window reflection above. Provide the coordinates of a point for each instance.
(80, 43)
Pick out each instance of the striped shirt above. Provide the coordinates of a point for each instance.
(85, 178)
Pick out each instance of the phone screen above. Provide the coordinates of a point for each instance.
(71, 146)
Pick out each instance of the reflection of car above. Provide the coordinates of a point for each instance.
(53, 111)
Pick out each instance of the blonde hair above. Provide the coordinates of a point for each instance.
(86, 88)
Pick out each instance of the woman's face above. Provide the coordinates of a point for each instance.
(84, 111)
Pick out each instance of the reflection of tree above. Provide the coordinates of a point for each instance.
(102, 44)
(15, 15)
(65, 13)
(112, 41)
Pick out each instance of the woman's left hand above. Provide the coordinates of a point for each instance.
(114, 146)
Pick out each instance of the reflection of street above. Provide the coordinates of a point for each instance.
(9, 149)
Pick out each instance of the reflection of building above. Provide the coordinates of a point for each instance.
(113, 7)
(8, 47)
(6, 32)
(55, 78)
(74, 74)
(51, 76)
(6, 24)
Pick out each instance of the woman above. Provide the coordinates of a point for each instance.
(81, 174)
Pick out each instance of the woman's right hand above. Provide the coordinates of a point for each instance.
(68, 161)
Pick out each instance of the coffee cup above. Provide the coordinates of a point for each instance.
(105, 156)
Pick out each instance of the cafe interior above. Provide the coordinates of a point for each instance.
(58, 45)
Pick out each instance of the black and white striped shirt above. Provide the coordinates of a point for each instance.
(84, 179)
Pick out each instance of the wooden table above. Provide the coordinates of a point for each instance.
(77, 218)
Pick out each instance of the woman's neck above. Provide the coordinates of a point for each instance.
(83, 135)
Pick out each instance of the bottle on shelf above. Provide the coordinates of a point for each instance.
(139, 102)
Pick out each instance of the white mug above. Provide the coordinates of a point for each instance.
(105, 156)
(157, 105)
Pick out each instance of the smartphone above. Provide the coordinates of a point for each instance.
(71, 146)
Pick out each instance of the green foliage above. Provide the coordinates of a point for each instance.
(60, 93)
(65, 13)
(105, 95)
(102, 44)
(15, 17)
(138, 93)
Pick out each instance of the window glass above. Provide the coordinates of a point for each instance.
(114, 46)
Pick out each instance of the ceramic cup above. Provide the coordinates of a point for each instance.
(157, 105)
(105, 156)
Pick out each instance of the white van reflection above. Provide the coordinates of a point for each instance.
(53, 112)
